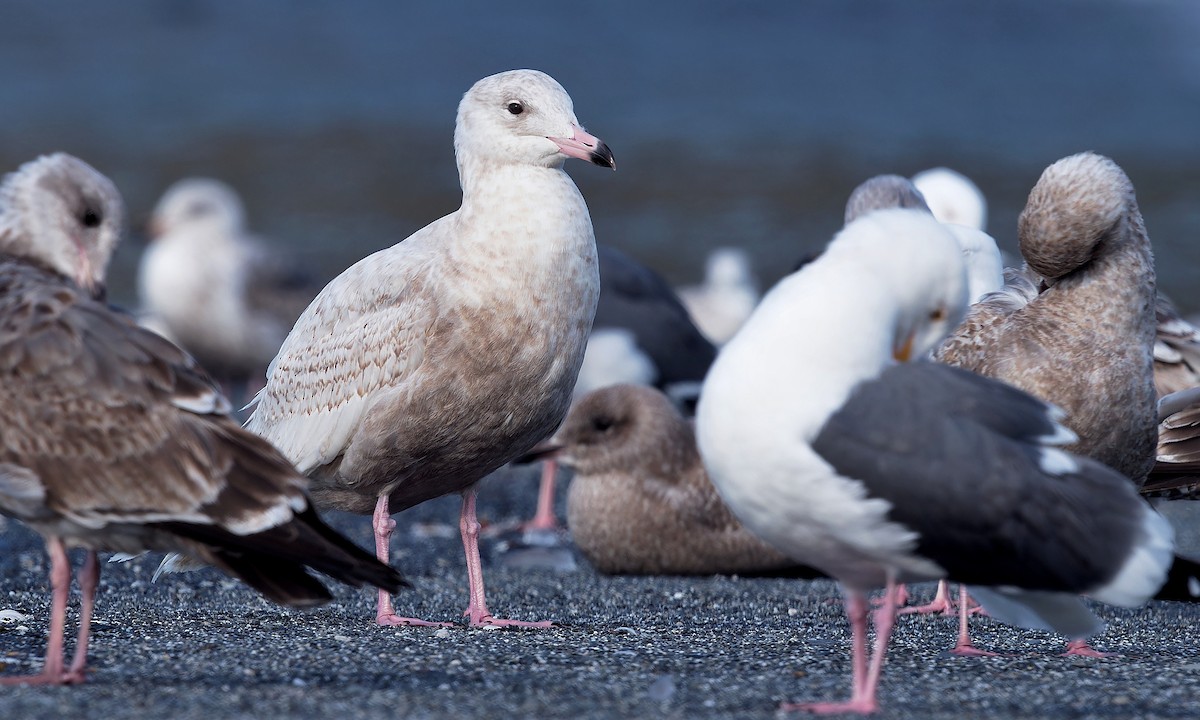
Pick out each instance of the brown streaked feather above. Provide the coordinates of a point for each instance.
(1176, 350)
(131, 448)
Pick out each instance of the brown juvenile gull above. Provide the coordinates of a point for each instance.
(427, 365)
(1084, 343)
(111, 437)
(640, 501)
(642, 334)
(879, 473)
(218, 290)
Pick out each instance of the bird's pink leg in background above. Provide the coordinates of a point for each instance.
(863, 690)
(544, 518)
(941, 603)
(60, 588)
(1082, 649)
(964, 646)
(477, 611)
(383, 524)
(89, 581)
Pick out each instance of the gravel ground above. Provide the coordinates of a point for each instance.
(204, 646)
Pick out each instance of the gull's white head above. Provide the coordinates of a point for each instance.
(198, 204)
(523, 117)
(61, 212)
(729, 266)
(952, 197)
(914, 263)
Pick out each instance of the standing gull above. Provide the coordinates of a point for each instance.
(426, 366)
(640, 501)
(111, 437)
(984, 266)
(860, 468)
(216, 289)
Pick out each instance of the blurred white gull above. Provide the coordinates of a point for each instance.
(856, 466)
(426, 366)
(726, 298)
(217, 290)
(952, 197)
(985, 266)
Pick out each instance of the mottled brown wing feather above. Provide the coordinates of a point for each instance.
(128, 437)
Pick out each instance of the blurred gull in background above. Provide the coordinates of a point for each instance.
(216, 290)
(728, 295)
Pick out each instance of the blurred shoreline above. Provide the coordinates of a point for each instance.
(734, 124)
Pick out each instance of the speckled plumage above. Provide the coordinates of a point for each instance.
(1085, 341)
(640, 501)
(1176, 350)
(427, 365)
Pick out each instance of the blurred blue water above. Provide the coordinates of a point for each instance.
(733, 123)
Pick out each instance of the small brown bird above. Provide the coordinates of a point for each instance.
(640, 501)
(112, 438)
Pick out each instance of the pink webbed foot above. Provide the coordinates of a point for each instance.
(1080, 648)
(62, 678)
(943, 606)
(391, 619)
(488, 621)
(858, 707)
(941, 603)
(968, 650)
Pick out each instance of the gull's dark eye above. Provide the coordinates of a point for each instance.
(938, 315)
(200, 208)
(90, 218)
(516, 108)
(602, 423)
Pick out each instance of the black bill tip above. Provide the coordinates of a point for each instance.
(602, 156)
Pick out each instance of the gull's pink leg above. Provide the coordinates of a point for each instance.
(863, 698)
(964, 646)
(60, 588)
(941, 603)
(544, 518)
(383, 524)
(89, 581)
(902, 596)
(1081, 648)
(477, 611)
(856, 610)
